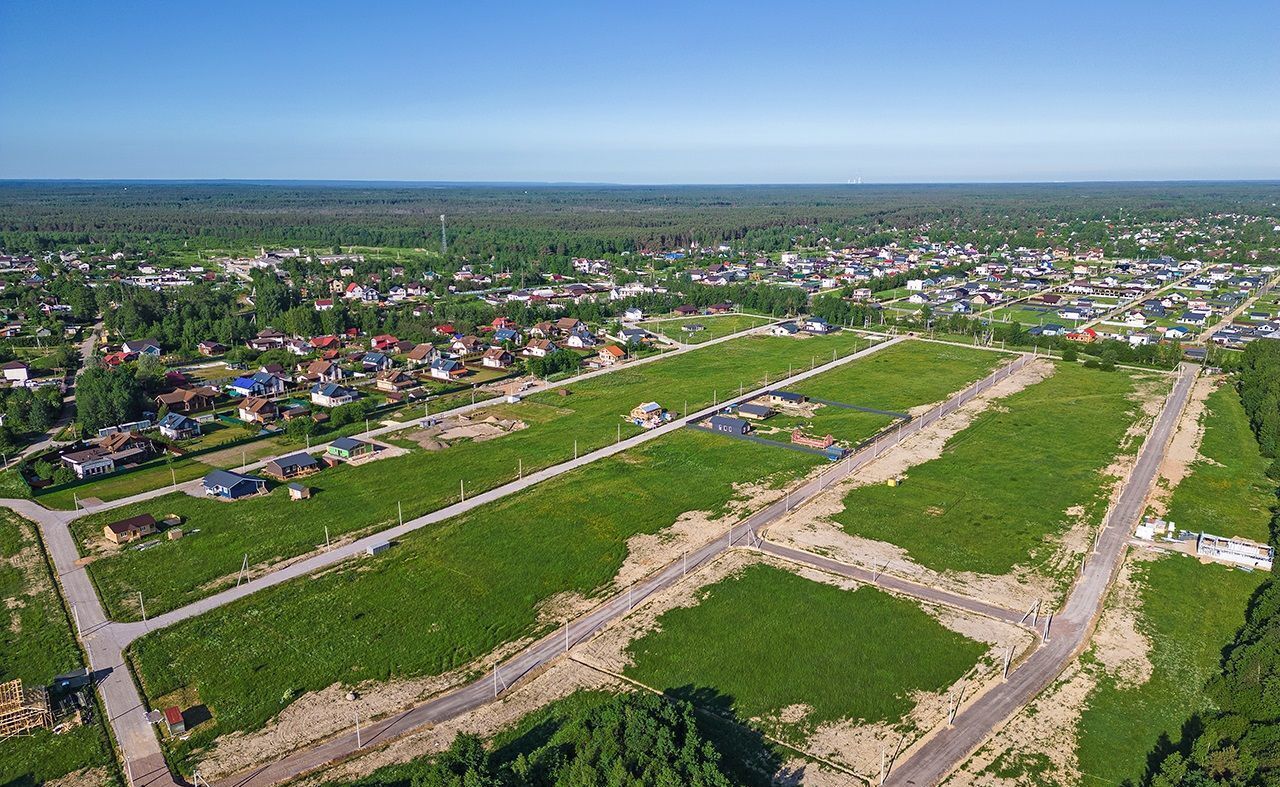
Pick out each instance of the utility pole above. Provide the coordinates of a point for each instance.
(244, 566)
(359, 744)
(326, 537)
(520, 468)
(143, 607)
(462, 491)
(444, 238)
(400, 513)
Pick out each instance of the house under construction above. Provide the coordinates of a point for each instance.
(23, 711)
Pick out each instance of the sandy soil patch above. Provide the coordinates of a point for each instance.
(558, 681)
(1184, 446)
(1047, 727)
(811, 528)
(318, 715)
(851, 744)
(647, 552)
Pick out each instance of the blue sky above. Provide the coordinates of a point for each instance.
(654, 92)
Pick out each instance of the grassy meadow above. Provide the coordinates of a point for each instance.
(1189, 613)
(1007, 484)
(353, 500)
(449, 594)
(1227, 492)
(37, 643)
(766, 639)
(714, 326)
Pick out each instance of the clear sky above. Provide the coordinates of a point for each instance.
(641, 92)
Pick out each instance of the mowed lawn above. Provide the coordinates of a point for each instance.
(714, 326)
(903, 376)
(37, 643)
(766, 639)
(1004, 486)
(449, 594)
(1190, 612)
(360, 499)
(1227, 492)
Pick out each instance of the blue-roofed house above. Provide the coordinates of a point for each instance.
(272, 385)
(376, 361)
(177, 426)
(447, 369)
(232, 486)
(246, 386)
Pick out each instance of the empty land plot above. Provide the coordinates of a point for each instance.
(1227, 491)
(1018, 476)
(906, 375)
(1189, 613)
(351, 500)
(766, 640)
(446, 595)
(37, 644)
(714, 326)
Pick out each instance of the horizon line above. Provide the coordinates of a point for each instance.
(623, 184)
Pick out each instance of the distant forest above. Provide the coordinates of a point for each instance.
(513, 222)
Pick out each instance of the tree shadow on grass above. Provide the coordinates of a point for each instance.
(745, 755)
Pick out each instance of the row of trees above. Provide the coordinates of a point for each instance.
(1237, 743)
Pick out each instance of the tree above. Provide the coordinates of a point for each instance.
(107, 397)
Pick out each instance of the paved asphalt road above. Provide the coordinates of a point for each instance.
(544, 651)
(1069, 630)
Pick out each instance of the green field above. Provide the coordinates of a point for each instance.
(448, 594)
(714, 326)
(1227, 492)
(903, 376)
(1190, 612)
(1003, 486)
(361, 499)
(37, 643)
(767, 639)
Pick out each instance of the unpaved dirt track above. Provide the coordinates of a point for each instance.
(554, 645)
(1069, 630)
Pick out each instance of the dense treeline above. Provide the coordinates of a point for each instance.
(1259, 372)
(633, 740)
(1237, 743)
(513, 224)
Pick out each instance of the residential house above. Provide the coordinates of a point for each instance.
(16, 371)
(755, 412)
(784, 329)
(633, 315)
(496, 358)
(177, 426)
(271, 383)
(131, 529)
(246, 386)
(467, 346)
(258, 410)
(447, 369)
(505, 335)
(815, 325)
(349, 448)
(210, 348)
(611, 355)
(188, 400)
(89, 462)
(324, 371)
(540, 348)
(581, 340)
(232, 486)
(292, 466)
(332, 395)
(781, 398)
(394, 380)
(376, 361)
(383, 342)
(727, 425)
(142, 347)
(422, 354)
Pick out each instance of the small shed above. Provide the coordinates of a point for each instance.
(174, 721)
(299, 491)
